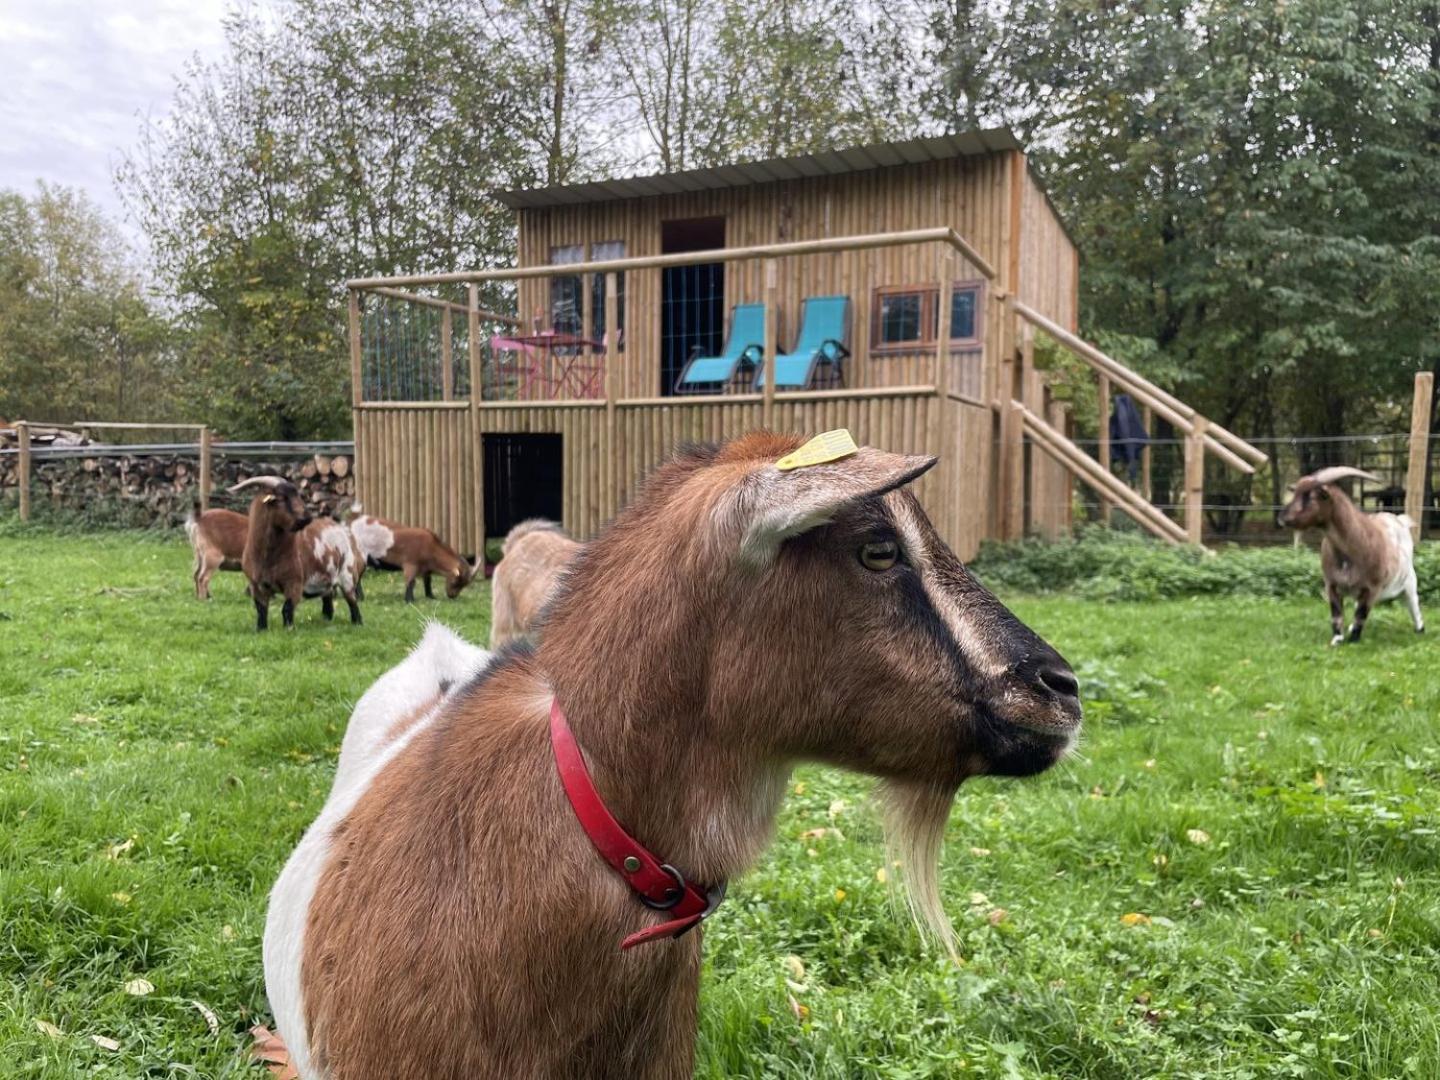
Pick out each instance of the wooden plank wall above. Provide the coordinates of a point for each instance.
(403, 473)
(417, 465)
(966, 193)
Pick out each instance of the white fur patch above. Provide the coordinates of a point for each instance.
(972, 646)
(440, 664)
(375, 539)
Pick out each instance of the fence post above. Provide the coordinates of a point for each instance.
(1195, 481)
(204, 469)
(1102, 449)
(772, 334)
(477, 442)
(1419, 452)
(357, 393)
(611, 503)
(447, 355)
(22, 432)
(1146, 487)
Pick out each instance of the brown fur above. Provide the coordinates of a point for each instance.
(463, 905)
(218, 539)
(420, 553)
(536, 555)
(289, 554)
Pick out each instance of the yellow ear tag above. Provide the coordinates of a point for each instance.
(822, 449)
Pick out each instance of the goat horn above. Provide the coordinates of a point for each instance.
(474, 568)
(1342, 472)
(266, 481)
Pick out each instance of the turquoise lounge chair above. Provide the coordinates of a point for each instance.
(824, 329)
(742, 346)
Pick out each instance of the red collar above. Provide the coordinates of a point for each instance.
(658, 885)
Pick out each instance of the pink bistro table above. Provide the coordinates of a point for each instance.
(551, 362)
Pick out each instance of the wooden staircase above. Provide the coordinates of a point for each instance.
(1020, 403)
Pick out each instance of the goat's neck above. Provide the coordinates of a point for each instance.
(268, 542)
(693, 798)
(1346, 531)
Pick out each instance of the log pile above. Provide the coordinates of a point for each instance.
(159, 489)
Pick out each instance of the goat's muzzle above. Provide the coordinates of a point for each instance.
(1033, 713)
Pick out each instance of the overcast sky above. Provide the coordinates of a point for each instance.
(77, 76)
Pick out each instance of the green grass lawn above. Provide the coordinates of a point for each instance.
(1239, 876)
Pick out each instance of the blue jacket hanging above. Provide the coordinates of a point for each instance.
(1128, 436)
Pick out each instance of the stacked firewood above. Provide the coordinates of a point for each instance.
(161, 488)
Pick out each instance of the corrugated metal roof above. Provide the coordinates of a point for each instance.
(826, 163)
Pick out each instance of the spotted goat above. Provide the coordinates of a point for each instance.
(388, 545)
(290, 554)
(736, 619)
(1368, 556)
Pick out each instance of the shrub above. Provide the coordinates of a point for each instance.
(1103, 564)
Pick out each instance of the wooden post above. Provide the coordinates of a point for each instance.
(477, 442)
(1419, 452)
(1102, 450)
(204, 469)
(1014, 480)
(772, 334)
(356, 391)
(1195, 481)
(22, 432)
(1146, 488)
(1011, 428)
(945, 297)
(611, 501)
(447, 355)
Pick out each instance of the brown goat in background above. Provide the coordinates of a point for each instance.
(733, 621)
(536, 553)
(218, 539)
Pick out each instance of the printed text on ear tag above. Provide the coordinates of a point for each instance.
(831, 446)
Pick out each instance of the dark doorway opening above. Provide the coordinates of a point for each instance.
(692, 298)
(524, 478)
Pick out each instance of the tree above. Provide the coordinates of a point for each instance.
(78, 337)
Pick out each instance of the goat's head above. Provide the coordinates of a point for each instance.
(1312, 503)
(281, 503)
(461, 575)
(816, 614)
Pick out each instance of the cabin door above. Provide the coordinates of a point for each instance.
(692, 298)
(524, 478)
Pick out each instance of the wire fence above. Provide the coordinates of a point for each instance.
(1242, 509)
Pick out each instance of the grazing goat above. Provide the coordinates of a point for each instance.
(218, 539)
(390, 546)
(1368, 556)
(734, 620)
(287, 552)
(536, 553)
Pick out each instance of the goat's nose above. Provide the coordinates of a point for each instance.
(1059, 680)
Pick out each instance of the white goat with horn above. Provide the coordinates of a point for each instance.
(1368, 556)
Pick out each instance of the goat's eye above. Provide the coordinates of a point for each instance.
(879, 554)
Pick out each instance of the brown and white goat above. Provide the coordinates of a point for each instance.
(290, 554)
(734, 620)
(218, 539)
(1368, 556)
(536, 553)
(392, 546)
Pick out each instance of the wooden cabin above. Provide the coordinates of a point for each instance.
(485, 397)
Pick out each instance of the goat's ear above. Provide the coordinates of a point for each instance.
(774, 506)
